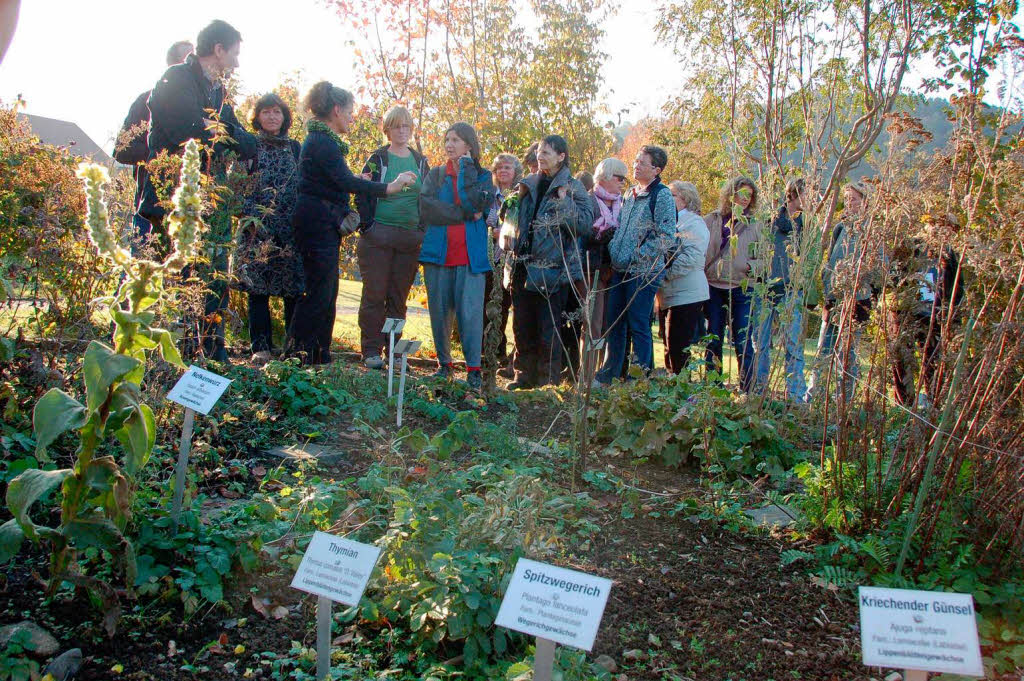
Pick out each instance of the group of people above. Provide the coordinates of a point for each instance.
(576, 258)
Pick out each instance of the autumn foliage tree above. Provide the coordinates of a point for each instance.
(481, 62)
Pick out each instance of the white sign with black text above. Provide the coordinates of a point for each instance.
(336, 568)
(930, 631)
(564, 606)
(198, 389)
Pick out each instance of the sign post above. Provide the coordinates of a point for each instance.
(184, 449)
(919, 632)
(556, 605)
(543, 659)
(594, 346)
(392, 326)
(404, 348)
(323, 637)
(333, 569)
(196, 390)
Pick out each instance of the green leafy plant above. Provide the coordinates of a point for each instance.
(96, 493)
(453, 536)
(674, 421)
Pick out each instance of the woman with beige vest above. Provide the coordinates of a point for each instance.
(732, 264)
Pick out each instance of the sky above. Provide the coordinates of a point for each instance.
(70, 61)
(73, 61)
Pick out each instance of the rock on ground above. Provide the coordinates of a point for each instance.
(40, 642)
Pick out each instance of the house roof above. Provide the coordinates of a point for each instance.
(66, 134)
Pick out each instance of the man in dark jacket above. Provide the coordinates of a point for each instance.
(130, 147)
(189, 103)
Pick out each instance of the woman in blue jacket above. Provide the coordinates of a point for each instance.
(453, 200)
(323, 215)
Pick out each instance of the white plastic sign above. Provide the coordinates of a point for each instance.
(407, 347)
(336, 568)
(930, 631)
(564, 606)
(393, 325)
(198, 389)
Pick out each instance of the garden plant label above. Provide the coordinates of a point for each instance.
(336, 568)
(564, 606)
(198, 389)
(923, 630)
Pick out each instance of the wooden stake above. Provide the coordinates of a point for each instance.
(915, 675)
(323, 637)
(543, 660)
(179, 472)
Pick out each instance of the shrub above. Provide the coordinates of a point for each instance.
(453, 538)
(46, 251)
(96, 493)
(674, 421)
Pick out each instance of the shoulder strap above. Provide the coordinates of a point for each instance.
(721, 251)
(653, 201)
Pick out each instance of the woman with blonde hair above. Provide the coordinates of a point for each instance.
(732, 265)
(506, 170)
(391, 234)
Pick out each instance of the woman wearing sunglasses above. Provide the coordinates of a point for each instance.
(732, 265)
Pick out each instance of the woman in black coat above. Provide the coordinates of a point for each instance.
(323, 215)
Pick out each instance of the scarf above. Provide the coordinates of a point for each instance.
(319, 126)
(609, 218)
(275, 140)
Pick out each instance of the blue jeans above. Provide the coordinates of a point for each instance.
(788, 310)
(731, 307)
(455, 293)
(630, 302)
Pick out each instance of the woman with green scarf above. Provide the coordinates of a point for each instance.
(323, 215)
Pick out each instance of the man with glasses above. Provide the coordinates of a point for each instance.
(638, 251)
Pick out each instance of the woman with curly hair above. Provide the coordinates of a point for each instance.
(265, 262)
(323, 215)
(732, 266)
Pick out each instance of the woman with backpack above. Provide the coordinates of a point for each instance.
(639, 251)
(554, 210)
(391, 235)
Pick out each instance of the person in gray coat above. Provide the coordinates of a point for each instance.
(554, 210)
(685, 288)
(849, 279)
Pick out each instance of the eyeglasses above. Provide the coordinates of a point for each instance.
(620, 178)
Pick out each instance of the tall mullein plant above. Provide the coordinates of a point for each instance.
(96, 493)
